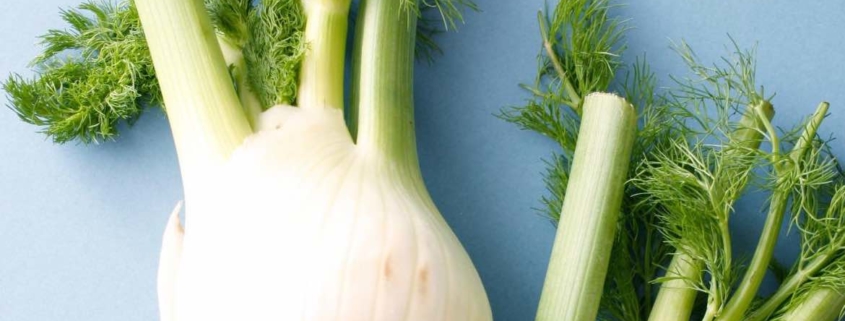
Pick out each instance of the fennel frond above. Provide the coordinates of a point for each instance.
(696, 180)
(91, 77)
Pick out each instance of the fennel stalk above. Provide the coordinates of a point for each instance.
(596, 132)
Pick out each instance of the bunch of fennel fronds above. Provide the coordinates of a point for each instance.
(695, 183)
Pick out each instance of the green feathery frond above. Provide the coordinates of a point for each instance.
(696, 187)
(91, 77)
(620, 299)
(737, 73)
(639, 249)
(580, 55)
(716, 93)
(450, 11)
(694, 181)
(231, 19)
(545, 116)
(556, 179)
(427, 29)
(270, 36)
(582, 47)
(274, 50)
(580, 50)
(822, 262)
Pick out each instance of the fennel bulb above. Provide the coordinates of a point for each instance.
(290, 215)
(302, 224)
(289, 218)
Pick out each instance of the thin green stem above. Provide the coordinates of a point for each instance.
(726, 242)
(581, 252)
(574, 98)
(383, 82)
(712, 308)
(747, 290)
(321, 74)
(805, 142)
(714, 302)
(203, 109)
(748, 135)
(775, 142)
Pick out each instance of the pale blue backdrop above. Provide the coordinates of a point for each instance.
(80, 225)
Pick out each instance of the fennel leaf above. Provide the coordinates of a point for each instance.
(91, 77)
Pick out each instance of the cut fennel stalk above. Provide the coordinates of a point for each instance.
(596, 131)
(581, 253)
(298, 220)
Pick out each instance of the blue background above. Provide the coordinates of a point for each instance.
(80, 225)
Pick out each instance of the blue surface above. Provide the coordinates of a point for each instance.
(80, 225)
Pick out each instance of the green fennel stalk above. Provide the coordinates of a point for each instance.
(747, 289)
(203, 108)
(580, 58)
(580, 256)
(586, 231)
(383, 90)
(321, 74)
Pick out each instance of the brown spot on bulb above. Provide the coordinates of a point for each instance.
(423, 279)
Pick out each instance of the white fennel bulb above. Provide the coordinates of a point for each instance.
(290, 215)
(302, 224)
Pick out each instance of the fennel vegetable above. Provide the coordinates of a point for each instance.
(289, 216)
(696, 186)
(689, 171)
(84, 97)
(589, 215)
(597, 133)
(794, 177)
